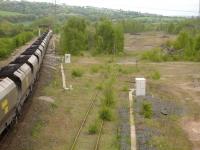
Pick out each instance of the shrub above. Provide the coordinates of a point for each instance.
(147, 110)
(7, 45)
(155, 55)
(155, 75)
(125, 89)
(93, 128)
(108, 93)
(105, 114)
(74, 36)
(99, 87)
(77, 73)
(95, 69)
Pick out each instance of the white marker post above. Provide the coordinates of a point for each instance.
(67, 58)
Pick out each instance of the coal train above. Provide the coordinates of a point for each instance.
(18, 78)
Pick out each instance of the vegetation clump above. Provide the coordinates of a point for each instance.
(8, 44)
(78, 35)
(74, 36)
(109, 37)
(155, 75)
(105, 113)
(108, 93)
(93, 128)
(147, 110)
(77, 73)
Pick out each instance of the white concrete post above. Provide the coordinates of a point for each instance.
(67, 58)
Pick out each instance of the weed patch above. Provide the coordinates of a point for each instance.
(93, 128)
(105, 114)
(155, 75)
(147, 110)
(77, 73)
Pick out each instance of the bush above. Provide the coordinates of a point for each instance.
(95, 69)
(93, 128)
(77, 73)
(125, 89)
(99, 87)
(7, 45)
(155, 55)
(105, 114)
(108, 93)
(74, 38)
(155, 75)
(147, 110)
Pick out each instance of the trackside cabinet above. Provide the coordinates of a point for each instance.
(140, 86)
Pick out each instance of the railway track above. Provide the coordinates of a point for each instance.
(99, 136)
(91, 106)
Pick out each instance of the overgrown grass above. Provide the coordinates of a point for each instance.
(155, 75)
(105, 113)
(99, 86)
(155, 55)
(37, 128)
(171, 137)
(93, 128)
(108, 94)
(186, 47)
(127, 70)
(77, 72)
(125, 88)
(147, 110)
(95, 69)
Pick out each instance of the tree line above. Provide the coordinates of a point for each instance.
(81, 35)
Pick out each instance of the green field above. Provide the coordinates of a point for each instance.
(8, 13)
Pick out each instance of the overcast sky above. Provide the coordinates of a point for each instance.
(164, 7)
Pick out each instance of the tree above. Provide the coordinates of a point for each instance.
(119, 38)
(105, 36)
(109, 37)
(74, 36)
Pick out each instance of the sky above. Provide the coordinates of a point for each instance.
(163, 7)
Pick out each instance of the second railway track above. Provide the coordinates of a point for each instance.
(91, 106)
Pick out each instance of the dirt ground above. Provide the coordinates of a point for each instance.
(145, 41)
(180, 82)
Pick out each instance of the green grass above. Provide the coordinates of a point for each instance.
(172, 136)
(155, 75)
(147, 110)
(8, 13)
(105, 114)
(37, 128)
(95, 69)
(108, 94)
(93, 128)
(77, 72)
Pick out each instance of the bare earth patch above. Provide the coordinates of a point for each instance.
(47, 99)
(145, 41)
(192, 128)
